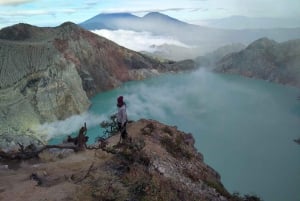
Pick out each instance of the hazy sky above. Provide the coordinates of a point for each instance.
(55, 12)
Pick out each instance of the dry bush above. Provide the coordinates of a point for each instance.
(167, 130)
(148, 129)
(176, 147)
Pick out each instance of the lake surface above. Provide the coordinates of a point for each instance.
(244, 127)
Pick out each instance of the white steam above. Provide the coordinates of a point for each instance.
(69, 125)
(162, 100)
(138, 41)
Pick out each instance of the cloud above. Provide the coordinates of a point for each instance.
(160, 100)
(138, 41)
(190, 99)
(143, 10)
(91, 2)
(14, 2)
(24, 13)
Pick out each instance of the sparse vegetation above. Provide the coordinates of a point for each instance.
(148, 129)
(191, 174)
(176, 147)
(235, 196)
(219, 188)
(132, 165)
(133, 153)
(167, 130)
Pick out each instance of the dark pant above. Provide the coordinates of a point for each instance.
(122, 130)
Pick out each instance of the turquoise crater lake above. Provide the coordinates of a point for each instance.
(244, 127)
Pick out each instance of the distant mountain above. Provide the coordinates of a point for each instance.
(242, 22)
(149, 22)
(208, 39)
(266, 59)
(109, 21)
(49, 74)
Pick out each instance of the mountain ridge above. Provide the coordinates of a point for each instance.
(266, 59)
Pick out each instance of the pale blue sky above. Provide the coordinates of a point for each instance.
(55, 12)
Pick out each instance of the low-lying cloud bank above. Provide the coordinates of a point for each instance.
(138, 41)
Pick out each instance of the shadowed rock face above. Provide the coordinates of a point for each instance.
(48, 74)
(266, 59)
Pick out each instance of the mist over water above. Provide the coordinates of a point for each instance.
(245, 128)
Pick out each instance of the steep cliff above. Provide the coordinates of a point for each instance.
(266, 59)
(160, 163)
(48, 74)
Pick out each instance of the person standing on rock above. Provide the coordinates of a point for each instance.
(122, 118)
(82, 138)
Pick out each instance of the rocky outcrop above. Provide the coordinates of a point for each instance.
(160, 163)
(266, 59)
(48, 74)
